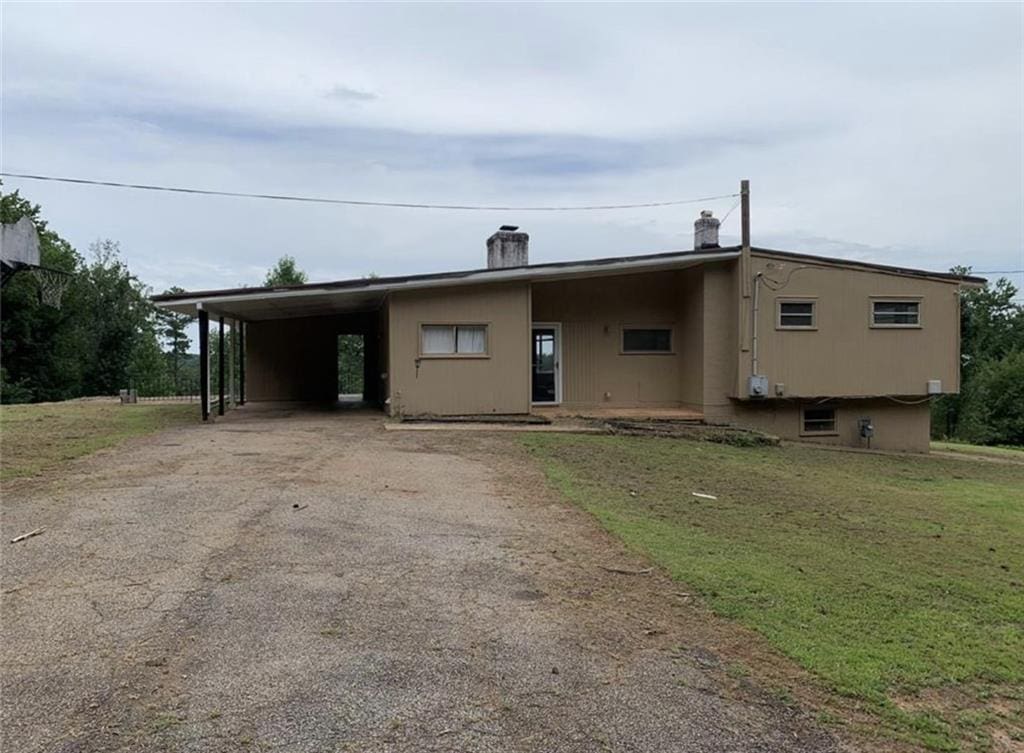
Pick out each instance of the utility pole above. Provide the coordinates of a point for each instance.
(745, 235)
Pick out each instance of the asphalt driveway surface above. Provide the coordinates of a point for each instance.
(311, 582)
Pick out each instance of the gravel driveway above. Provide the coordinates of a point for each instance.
(312, 582)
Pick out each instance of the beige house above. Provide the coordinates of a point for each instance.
(805, 347)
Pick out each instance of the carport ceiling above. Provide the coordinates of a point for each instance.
(258, 309)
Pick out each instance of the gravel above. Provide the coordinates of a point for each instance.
(429, 593)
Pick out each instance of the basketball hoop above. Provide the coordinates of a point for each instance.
(52, 285)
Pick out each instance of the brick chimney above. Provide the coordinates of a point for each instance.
(508, 248)
(705, 231)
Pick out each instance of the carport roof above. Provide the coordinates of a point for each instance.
(363, 294)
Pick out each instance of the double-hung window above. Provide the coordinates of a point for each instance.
(453, 339)
(796, 314)
(892, 312)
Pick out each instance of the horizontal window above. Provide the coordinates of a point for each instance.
(796, 315)
(819, 421)
(453, 339)
(655, 340)
(896, 313)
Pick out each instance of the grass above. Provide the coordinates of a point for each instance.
(895, 580)
(997, 451)
(38, 437)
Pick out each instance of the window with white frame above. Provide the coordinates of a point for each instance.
(795, 314)
(453, 339)
(646, 340)
(818, 420)
(895, 313)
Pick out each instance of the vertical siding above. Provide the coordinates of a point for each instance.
(845, 356)
(593, 311)
(498, 383)
(579, 383)
(292, 359)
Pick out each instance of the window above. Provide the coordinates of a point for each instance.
(819, 421)
(796, 315)
(636, 340)
(453, 339)
(895, 313)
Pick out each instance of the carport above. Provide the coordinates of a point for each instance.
(287, 340)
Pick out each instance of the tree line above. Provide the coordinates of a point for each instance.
(107, 336)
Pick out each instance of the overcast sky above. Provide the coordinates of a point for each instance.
(880, 132)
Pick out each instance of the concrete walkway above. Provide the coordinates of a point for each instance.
(311, 582)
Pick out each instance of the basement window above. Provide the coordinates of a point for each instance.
(453, 339)
(646, 340)
(796, 315)
(818, 421)
(895, 313)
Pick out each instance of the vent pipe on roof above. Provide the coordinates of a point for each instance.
(705, 231)
(508, 248)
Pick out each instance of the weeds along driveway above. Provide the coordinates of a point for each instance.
(428, 593)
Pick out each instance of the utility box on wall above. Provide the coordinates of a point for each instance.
(757, 385)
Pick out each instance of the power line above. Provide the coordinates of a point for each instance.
(998, 272)
(362, 203)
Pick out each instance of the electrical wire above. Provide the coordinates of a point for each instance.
(364, 203)
(731, 210)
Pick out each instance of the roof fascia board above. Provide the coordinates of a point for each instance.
(828, 261)
(519, 274)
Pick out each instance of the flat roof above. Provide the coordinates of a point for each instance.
(340, 296)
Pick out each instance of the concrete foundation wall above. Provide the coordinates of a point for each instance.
(498, 382)
(593, 312)
(899, 427)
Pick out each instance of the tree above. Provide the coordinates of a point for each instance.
(992, 410)
(350, 364)
(40, 345)
(285, 272)
(121, 336)
(991, 332)
(172, 328)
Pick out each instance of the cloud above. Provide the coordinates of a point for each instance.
(910, 154)
(348, 94)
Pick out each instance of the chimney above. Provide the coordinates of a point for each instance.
(508, 248)
(705, 231)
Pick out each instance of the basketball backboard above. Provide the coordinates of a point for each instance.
(19, 244)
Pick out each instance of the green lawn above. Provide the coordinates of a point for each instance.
(1008, 453)
(895, 580)
(34, 438)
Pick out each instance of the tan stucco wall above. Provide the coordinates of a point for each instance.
(498, 383)
(593, 312)
(897, 427)
(845, 356)
(292, 359)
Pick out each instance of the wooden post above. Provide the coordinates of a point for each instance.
(220, 367)
(204, 363)
(241, 363)
(232, 357)
(745, 235)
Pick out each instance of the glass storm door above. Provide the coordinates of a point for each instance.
(545, 387)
